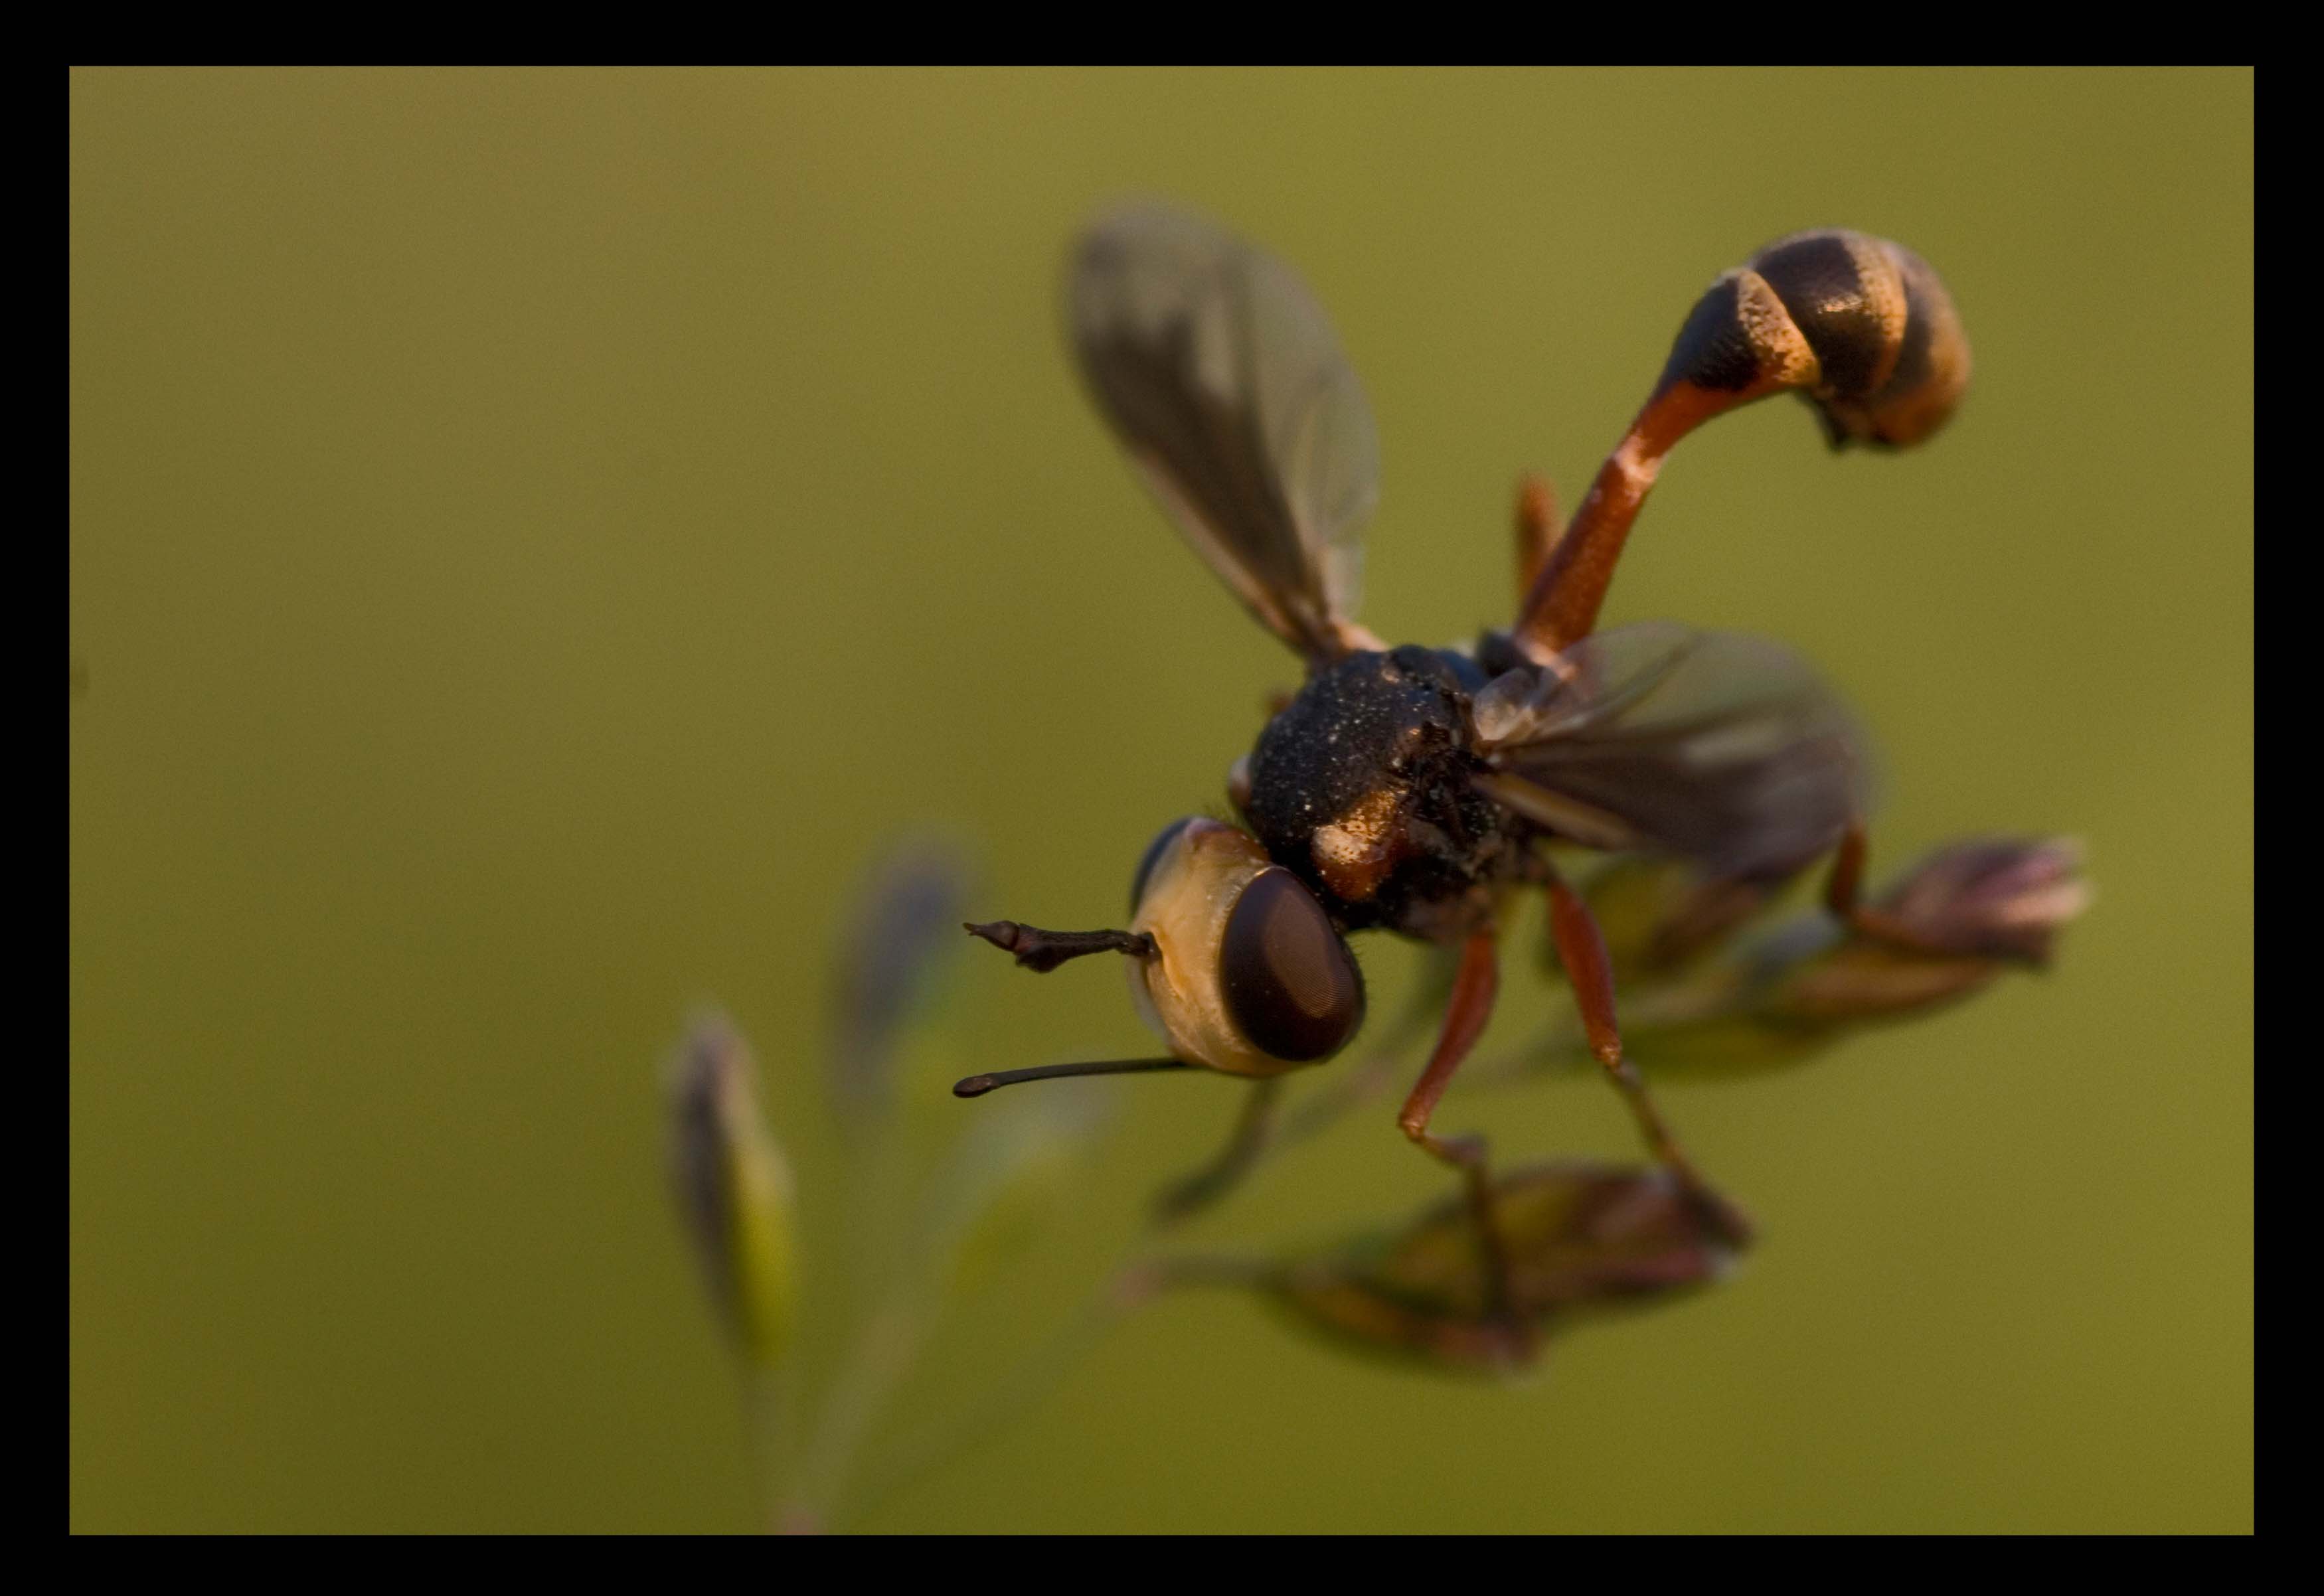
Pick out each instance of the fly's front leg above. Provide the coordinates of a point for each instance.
(1474, 986)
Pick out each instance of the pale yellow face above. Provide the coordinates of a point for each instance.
(1191, 891)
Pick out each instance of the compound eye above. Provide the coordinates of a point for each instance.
(1152, 857)
(1289, 984)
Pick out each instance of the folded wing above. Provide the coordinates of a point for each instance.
(1723, 748)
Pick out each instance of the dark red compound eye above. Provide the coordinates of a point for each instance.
(1290, 985)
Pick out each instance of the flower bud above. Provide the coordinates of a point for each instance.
(889, 959)
(1994, 898)
(734, 1189)
(1957, 920)
(1582, 1238)
(1954, 922)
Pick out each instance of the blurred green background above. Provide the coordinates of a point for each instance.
(536, 536)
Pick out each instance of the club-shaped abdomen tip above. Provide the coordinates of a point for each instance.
(1861, 327)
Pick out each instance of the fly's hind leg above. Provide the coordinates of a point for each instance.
(1537, 528)
(1843, 896)
(1582, 949)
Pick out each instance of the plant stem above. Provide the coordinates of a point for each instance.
(771, 1404)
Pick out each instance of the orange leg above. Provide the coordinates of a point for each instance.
(1474, 986)
(1843, 893)
(1845, 885)
(1537, 528)
(1582, 949)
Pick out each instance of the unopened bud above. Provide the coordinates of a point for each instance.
(733, 1188)
(909, 925)
(1581, 1237)
(1954, 922)
(1992, 897)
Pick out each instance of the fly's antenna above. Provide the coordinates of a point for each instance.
(978, 1085)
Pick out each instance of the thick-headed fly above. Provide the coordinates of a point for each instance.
(1411, 789)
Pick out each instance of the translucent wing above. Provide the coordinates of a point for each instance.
(1223, 378)
(1723, 748)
